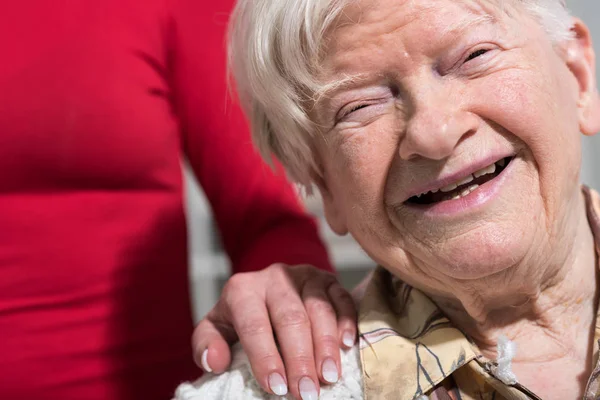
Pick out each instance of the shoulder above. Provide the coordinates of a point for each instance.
(238, 383)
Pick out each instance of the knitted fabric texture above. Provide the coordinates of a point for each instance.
(239, 383)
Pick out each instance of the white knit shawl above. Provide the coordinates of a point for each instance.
(239, 384)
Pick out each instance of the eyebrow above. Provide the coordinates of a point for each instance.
(469, 23)
(330, 89)
(339, 85)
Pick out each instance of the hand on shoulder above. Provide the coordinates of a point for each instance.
(239, 384)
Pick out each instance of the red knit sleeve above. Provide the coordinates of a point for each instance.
(257, 211)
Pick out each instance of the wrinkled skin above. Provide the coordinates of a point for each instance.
(306, 309)
(440, 87)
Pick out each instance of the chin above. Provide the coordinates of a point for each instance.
(483, 252)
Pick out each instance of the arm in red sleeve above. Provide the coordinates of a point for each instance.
(257, 211)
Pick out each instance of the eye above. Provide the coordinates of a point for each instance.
(356, 108)
(348, 111)
(363, 105)
(476, 54)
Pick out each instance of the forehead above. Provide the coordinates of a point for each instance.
(410, 26)
(407, 11)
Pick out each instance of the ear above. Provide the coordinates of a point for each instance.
(335, 217)
(581, 60)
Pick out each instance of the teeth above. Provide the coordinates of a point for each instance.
(468, 179)
(462, 194)
(453, 186)
(487, 170)
(449, 188)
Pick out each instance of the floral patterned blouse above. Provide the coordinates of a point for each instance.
(410, 351)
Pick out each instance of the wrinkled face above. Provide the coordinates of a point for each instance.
(454, 150)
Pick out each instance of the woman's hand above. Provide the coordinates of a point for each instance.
(303, 310)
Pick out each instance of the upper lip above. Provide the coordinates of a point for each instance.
(453, 177)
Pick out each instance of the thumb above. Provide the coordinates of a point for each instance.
(211, 342)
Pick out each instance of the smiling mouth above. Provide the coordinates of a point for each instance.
(463, 187)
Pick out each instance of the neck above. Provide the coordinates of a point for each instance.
(551, 319)
(561, 313)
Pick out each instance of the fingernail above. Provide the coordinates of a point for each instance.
(330, 372)
(277, 384)
(204, 361)
(308, 390)
(348, 339)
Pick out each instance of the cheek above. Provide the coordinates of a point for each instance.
(358, 166)
(537, 109)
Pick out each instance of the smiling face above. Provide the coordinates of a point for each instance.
(452, 150)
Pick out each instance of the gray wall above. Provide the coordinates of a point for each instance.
(589, 11)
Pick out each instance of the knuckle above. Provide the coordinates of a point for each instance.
(321, 281)
(328, 276)
(280, 273)
(217, 318)
(304, 269)
(328, 344)
(267, 361)
(292, 319)
(236, 282)
(202, 325)
(201, 332)
(252, 327)
(236, 292)
(300, 365)
(276, 267)
(317, 275)
(342, 296)
(320, 307)
(303, 359)
(337, 290)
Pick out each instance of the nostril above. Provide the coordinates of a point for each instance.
(466, 136)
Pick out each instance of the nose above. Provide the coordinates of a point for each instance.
(437, 124)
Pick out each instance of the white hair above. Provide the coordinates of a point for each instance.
(274, 50)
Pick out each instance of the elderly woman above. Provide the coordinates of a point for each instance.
(444, 136)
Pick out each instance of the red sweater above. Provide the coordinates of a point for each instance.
(99, 103)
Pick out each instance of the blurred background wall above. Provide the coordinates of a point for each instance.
(209, 268)
(589, 11)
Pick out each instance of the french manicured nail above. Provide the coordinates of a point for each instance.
(204, 361)
(348, 339)
(308, 390)
(330, 372)
(277, 384)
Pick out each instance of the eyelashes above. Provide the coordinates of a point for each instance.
(476, 54)
(363, 110)
(470, 64)
(356, 108)
(346, 113)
